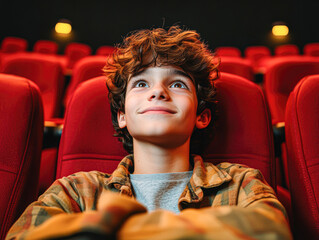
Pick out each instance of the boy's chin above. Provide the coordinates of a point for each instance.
(165, 141)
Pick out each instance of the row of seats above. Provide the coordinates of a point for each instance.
(72, 53)
(244, 135)
(15, 44)
(310, 49)
(259, 55)
(75, 51)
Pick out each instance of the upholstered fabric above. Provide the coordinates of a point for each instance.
(237, 66)
(302, 137)
(228, 52)
(45, 71)
(87, 141)
(282, 75)
(243, 129)
(75, 51)
(311, 49)
(286, 50)
(84, 69)
(21, 127)
(256, 55)
(46, 47)
(105, 50)
(13, 44)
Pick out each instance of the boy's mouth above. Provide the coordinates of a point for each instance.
(159, 110)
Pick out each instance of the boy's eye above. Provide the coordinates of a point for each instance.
(140, 84)
(178, 84)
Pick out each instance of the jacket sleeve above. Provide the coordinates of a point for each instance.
(257, 215)
(68, 208)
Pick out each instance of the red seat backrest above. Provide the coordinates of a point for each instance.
(302, 137)
(90, 145)
(13, 44)
(84, 69)
(243, 129)
(311, 49)
(105, 50)
(237, 66)
(256, 54)
(287, 50)
(46, 47)
(282, 75)
(45, 71)
(228, 52)
(21, 127)
(75, 51)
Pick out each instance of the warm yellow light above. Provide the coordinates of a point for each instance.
(280, 30)
(63, 28)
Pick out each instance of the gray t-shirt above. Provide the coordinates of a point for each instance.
(161, 190)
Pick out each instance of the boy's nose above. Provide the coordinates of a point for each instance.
(159, 93)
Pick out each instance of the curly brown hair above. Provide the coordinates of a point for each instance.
(158, 47)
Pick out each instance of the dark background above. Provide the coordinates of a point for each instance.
(220, 22)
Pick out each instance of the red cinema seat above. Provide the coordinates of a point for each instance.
(237, 66)
(21, 126)
(243, 134)
(256, 55)
(311, 49)
(302, 137)
(287, 50)
(46, 47)
(44, 70)
(282, 75)
(74, 52)
(228, 52)
(87, 141)
(84, 69)
(105, 50)
(13, 44)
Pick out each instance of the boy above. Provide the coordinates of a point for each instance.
(162, 96)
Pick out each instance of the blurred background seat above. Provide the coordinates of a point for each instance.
(84, 69)
(45, 47)
(311, 49)
(74, 52)
(286, 50)
(256, 55)
(237, 66)
(105, 50)
(228, 52)
(13, 45)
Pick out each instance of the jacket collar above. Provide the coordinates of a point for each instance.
(205, 175)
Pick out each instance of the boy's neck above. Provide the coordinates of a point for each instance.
(150, 159)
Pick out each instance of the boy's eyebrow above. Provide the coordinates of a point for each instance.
(182, 73)
(137, 73)
(173, 71)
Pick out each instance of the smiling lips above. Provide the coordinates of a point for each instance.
(157, 110)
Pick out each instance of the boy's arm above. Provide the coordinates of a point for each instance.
(58, 213)
(258, 215)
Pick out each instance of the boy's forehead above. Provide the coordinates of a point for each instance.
(167, 70)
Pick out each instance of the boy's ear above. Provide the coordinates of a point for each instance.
(203, 119)
(121, 119)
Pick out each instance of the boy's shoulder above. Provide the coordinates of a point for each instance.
(236, 170)
(79, 182)
(92, 176)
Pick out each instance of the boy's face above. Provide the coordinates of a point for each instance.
(160, 106)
